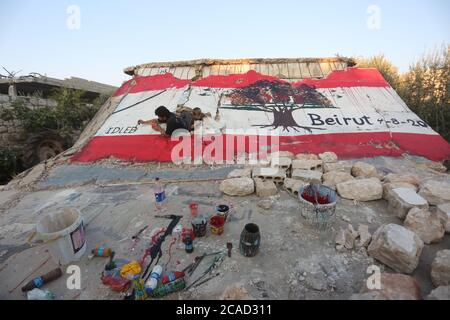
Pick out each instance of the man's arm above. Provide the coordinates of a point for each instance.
(154, 124)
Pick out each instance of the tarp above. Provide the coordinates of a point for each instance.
(353, 112)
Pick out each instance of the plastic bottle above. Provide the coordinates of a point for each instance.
(152, 282)
(189, 245)
(40, 281)
(177, 285)
(38, 294)
(160, 194)
(171, 276)
(101, 252)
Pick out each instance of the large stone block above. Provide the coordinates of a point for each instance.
(238, 186)
(396, 247)
(407, 178)
(265, 188)
(401, 200)
(332, 178)
(387, 187)
(361, 189)
(327, 157)
(440, 268)
(307, 175)
(364, 170)
(338, 166)
(306, 156)
(444, 211)
(428, 226)
(435, 192)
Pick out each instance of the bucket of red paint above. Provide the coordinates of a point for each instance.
(194, 209)
(318, 205)
(217, 224)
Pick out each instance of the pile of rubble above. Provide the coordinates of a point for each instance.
(423, 206)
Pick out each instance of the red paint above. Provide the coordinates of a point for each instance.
(143, 148)
(156, 82)
(352, 77)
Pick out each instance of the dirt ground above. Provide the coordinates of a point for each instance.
(295, 261)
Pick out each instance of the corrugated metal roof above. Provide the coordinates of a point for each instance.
(289, 69)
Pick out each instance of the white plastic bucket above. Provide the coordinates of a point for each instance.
(64, 233)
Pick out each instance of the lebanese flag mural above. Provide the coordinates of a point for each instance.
(354, 113)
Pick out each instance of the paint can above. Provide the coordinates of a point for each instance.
(222, 210)
(250, 240)
(199, 226)
(217, 224)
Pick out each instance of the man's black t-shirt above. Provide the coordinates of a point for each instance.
(175, 122)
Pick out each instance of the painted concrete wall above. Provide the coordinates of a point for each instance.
(353, 112)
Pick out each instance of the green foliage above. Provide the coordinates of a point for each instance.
(71, 113)
(425, 87)
(10, 163)
(386, 68)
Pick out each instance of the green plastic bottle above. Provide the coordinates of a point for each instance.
(174, 286)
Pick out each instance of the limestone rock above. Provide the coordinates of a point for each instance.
(440, 293)
(387, 187)
(307, 165)
(346, 238)
(327, 157)
(341, 166)
(428, 226)
(361, 190)
(307, 175)
(265, 188)
(332, 178)
(293, 186)
(440, 268)
(266, 204)
(240, 173)
(306, 156)
(435, 192)
(444, 211)
(364, 170)
(395, 287)
(238, 186)
(397, 247)
(401, 200)
(407, 178)
(364, 236)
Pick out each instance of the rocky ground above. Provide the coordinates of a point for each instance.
(295, 261)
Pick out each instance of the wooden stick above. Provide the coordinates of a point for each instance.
(40, 266)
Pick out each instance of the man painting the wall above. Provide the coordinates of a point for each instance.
(172, 121)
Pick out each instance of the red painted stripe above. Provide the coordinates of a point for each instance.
(352, 77)
(144, 148)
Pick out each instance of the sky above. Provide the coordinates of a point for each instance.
(96, 40)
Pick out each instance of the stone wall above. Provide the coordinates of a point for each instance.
(11, 131)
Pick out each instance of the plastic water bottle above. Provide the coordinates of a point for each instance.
(38, 294)
(160, 194)
(152, 282)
